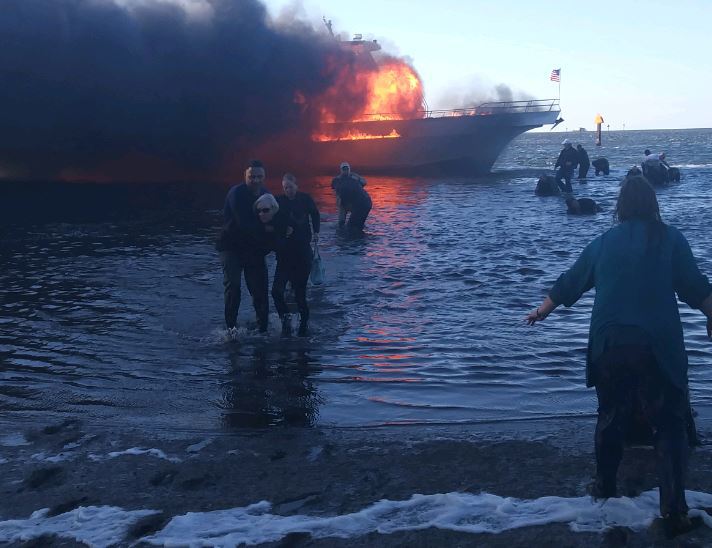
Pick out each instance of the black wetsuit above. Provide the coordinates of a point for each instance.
(587, 206)
(601, 165)
(583, 161)
(567, 162)
(546, 186)
(294, 253)
(353, 197)
(656, 172)
(240, 250)
(300, 211)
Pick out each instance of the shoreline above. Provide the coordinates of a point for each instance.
(322, 472)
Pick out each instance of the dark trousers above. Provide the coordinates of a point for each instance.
(255, 269)
(583, 170)
(629, 381)
(565, 172)
(357, 220)
(294, 270)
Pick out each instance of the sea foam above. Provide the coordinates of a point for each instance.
(254, 524)
(464, 512)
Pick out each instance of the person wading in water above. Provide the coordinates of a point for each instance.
(566, 163)
(636, 353)
(240, 249)
(294, 259)
(351, 196)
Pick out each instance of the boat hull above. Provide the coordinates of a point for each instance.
(452, 145)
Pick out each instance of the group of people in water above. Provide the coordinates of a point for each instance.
(653, 166)
(636, 357)
(566, 163)
(256, 223)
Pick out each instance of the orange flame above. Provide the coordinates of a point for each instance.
(390, 91)
(353, 135)
(395, 92)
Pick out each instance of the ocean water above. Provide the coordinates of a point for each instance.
(111, 301)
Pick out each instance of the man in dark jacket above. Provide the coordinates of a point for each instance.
(583, 162)
(351, 196)
(566, 163)
(295, 259)
(240, 249)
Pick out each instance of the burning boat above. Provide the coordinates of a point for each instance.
(395, 135)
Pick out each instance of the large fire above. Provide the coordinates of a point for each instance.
(394, 93)
(353, 135)
(391, 90)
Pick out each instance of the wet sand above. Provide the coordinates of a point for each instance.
(324, 472)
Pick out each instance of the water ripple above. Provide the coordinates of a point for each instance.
(420, 322)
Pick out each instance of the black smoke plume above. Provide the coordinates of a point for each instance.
(94, 89)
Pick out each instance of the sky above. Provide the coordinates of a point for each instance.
(642, 65)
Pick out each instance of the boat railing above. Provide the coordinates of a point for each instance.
(501, 107)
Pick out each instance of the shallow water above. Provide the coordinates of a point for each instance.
(111, 301)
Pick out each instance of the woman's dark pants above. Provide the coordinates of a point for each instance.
(629, 379)
(295, 270)
(255, 271)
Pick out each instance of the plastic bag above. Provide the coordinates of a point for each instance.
(317, 270)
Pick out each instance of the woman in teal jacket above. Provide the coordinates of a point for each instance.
(636, 353)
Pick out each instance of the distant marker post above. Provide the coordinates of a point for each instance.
(598, 121)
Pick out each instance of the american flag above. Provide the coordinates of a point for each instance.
(555, 75)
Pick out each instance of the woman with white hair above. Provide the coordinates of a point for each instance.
(266, 205)
(292, 256)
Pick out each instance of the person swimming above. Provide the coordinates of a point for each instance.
(581, 206)
(546, 186)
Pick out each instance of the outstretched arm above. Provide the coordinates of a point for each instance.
(570, 286)
(706, 308)
(541, 311)
(691, 285)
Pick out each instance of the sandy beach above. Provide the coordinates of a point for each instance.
(68, 467)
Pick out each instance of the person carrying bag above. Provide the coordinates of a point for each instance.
(317, 269)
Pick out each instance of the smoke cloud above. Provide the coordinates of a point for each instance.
(477, 93)
(154, 89)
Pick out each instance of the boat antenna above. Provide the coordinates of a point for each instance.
(328, 26)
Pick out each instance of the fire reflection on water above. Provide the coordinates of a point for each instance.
(392, 219)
